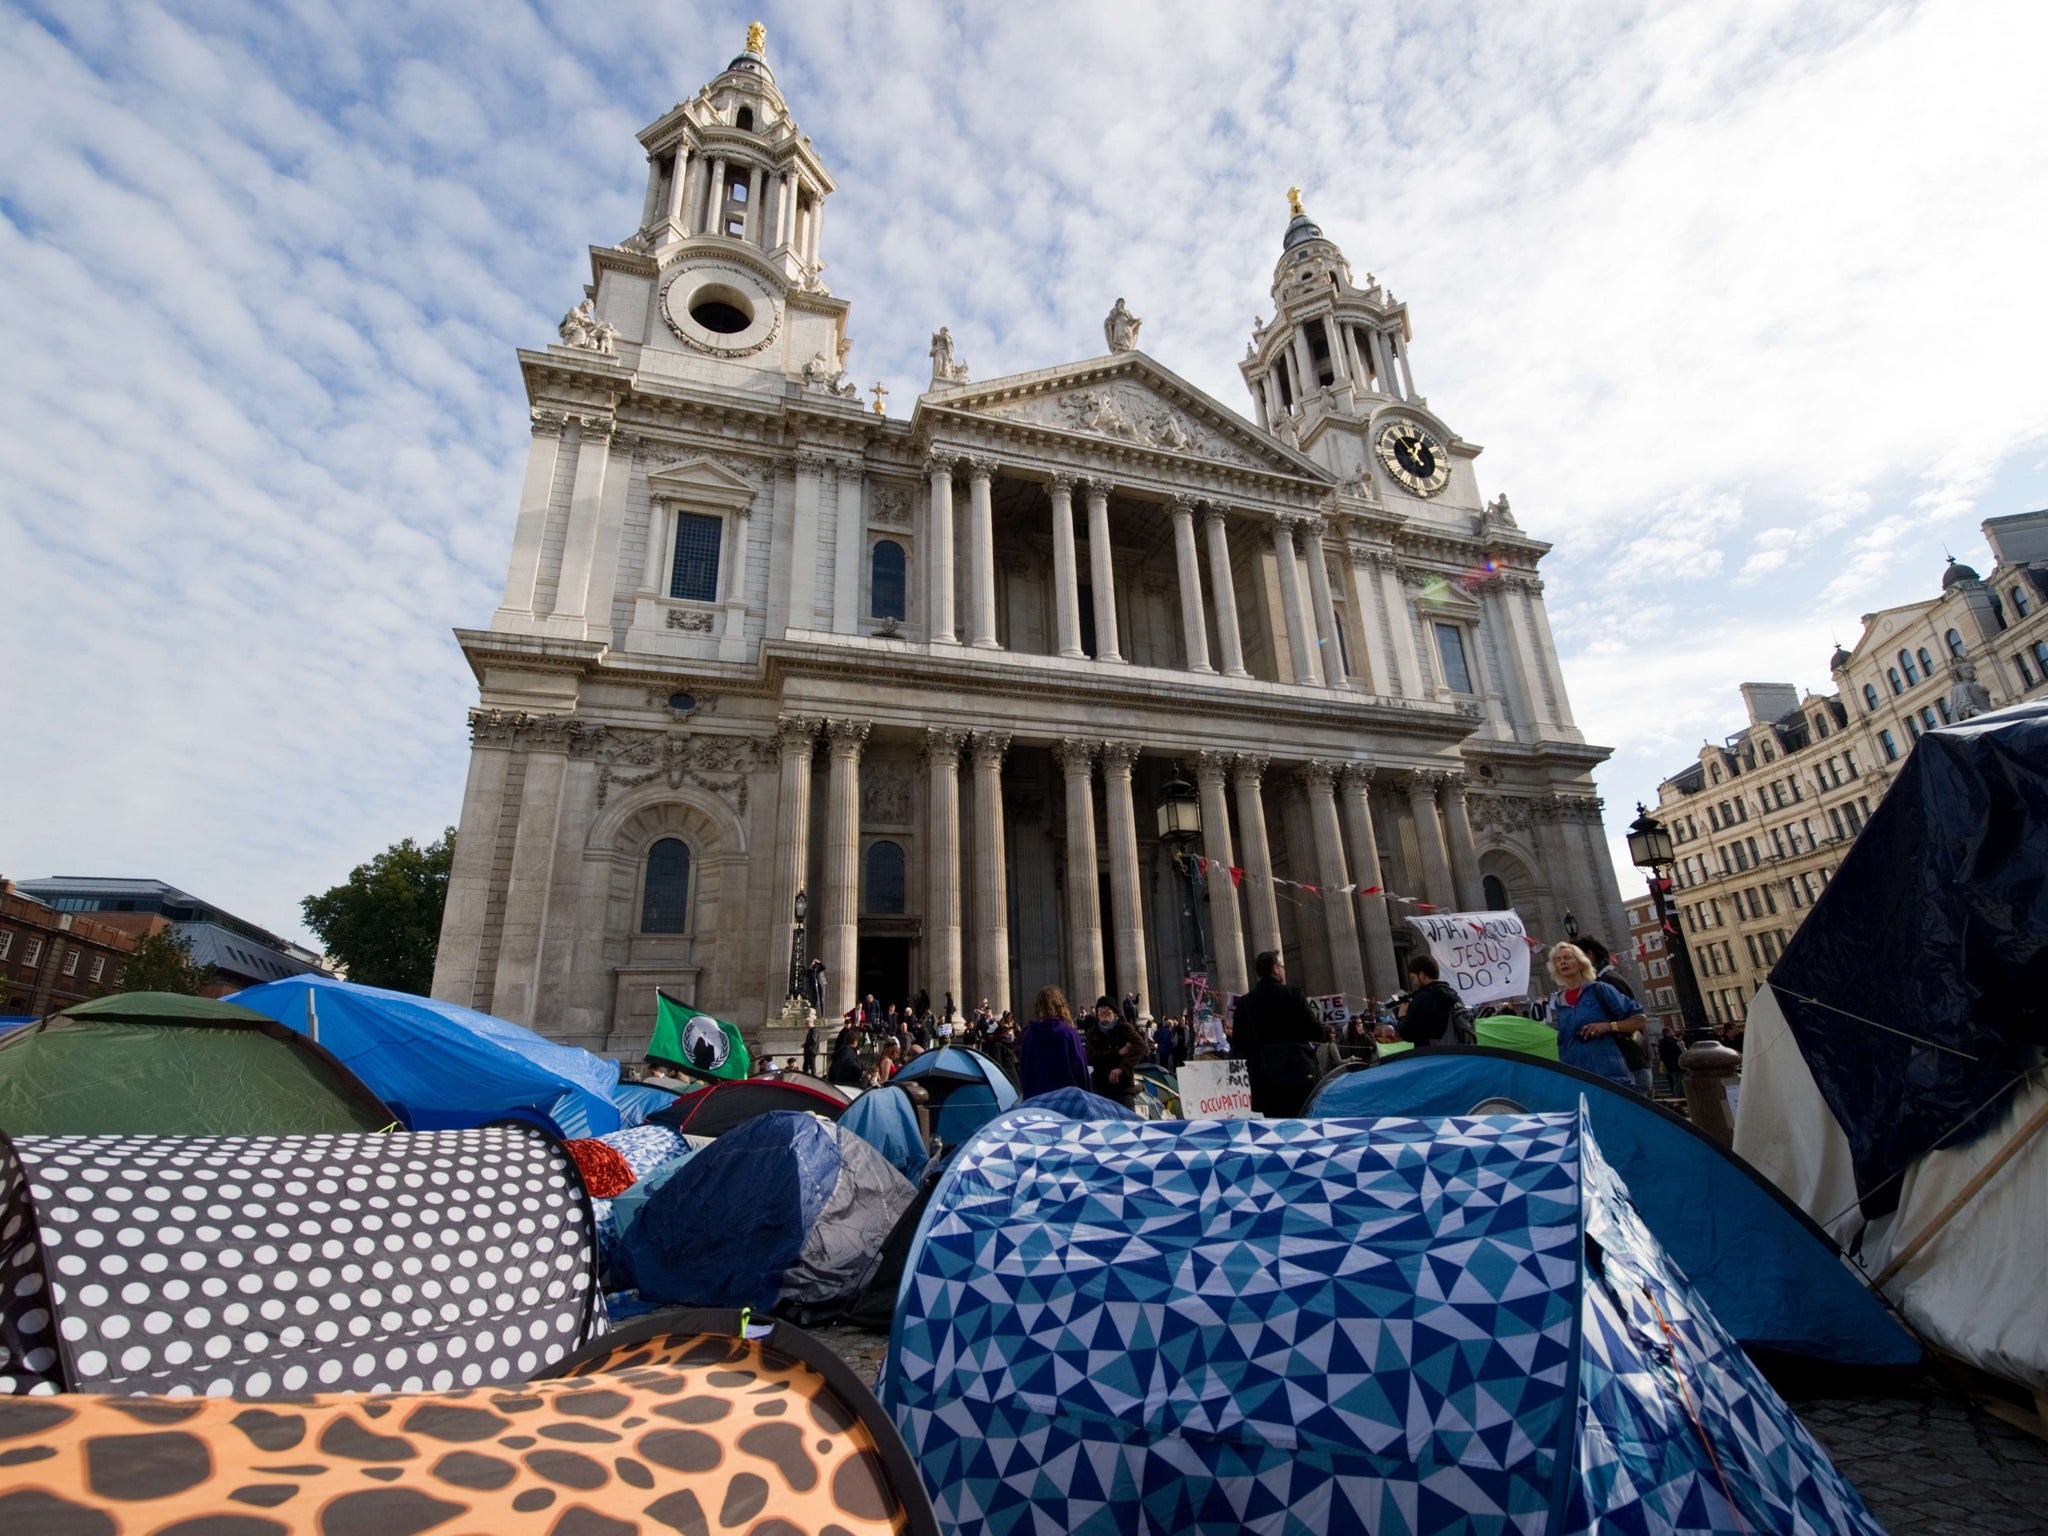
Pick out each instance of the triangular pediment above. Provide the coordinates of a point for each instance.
(1131, 400)
(700, 479)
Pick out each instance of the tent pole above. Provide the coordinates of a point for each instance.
(312, 1019)
(1963, 1196)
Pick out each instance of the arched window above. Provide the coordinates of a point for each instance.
(1820, 725)
(1946, 717)
(1496, 893)
(2020, 605)
(1906, 666)
(887, 570)
(1870, 697)
(1893, 674)
(745, 119)
(1926, 663)
(665, 898)
(885, 877)
(1927, 719)
(1955, 643)
(1891, 748)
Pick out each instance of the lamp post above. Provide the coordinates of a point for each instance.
(796, 947)
(1707, 1063)
(1571, 926)
(1180, 828)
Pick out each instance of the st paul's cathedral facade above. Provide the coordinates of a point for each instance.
(759, 641)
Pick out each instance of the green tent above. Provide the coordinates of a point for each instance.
(693, 1040)
(162, 1064)
(1506, 1032)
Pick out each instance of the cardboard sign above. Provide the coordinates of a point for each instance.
(1483, 955)
(1216, 1090)
(1333, 1008)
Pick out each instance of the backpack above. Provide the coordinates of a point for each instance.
(1463, 1028)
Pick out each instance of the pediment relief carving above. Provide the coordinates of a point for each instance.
(1125, 411)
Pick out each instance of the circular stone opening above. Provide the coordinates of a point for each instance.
(681, 703)
(722, 311)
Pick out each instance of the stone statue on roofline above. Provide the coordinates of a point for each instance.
(1120, 329)
(582, 329)
(946, 368)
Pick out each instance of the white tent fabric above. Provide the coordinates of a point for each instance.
(1974, 1291)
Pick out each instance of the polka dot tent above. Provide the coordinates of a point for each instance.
(256, 1266)
(686, 1423)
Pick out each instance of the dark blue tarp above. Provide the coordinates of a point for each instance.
(1080, 1104)
(1917, 987)
(1774, 1279)
(887, 1121)
(968, 1090)
(444, 1068)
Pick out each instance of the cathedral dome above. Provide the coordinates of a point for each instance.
(1300, 230)
(1957, 574)
(1839, 660)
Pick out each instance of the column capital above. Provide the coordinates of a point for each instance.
(1117, 756)
(1315, 774)
(1075, 754)
(937, 463)
(1357, 775)
(1183, 506)
(942, 746)
(1249, 767)
(1426, 780)
(847, 737)
(981, 467)
(1093, 486)
(1060, 483)
(548, 423)
(990, 747)
(1214, 512)
(796, 733)
(1453, 781)
(597, 428)
(1212, 768)
(814, 461)
(1282, 528)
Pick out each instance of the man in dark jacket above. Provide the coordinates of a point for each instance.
(1114, 1050)
(1275, 1032)
(1432, 1004)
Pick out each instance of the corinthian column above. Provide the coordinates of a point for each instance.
(942, 844)
(1065, 581)
(981, 556)
(939, 552)
(1194, 629)
(1210, 768)
(795, 738)
(1293, 612)
(1364, 847)
(1127, 917)
(1437, 885)
(991, 868)
(1084, 906)
(1326, 610)
(1247, 773)
(1464, 852)
(839, 932)
(1224, 586)
(1101, 573)
(1339, 926)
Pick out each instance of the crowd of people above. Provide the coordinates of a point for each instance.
(1281, 1034)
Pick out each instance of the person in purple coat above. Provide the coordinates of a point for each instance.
(1049, 1052)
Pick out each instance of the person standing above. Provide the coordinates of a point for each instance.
(1668, 1052)
(1163, 1044)
(846, 1070)
(1275, 1033)
(811, 1049)
(1431, 1016)
(1114, 1050)
(1587, 1014)
(814, 981)
(1050, 1054)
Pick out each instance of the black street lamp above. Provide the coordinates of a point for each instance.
(1571, 926)
(796, 946)
(1180, 828)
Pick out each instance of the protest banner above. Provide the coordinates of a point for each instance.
(1216, 1090)
(1333, 1009)
(1483, 955)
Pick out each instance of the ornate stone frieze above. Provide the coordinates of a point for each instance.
(885, 794)
(664, 696)
(716, 764)
(693, 620)
(1501, 813)
(1128, 413)
(891, 505)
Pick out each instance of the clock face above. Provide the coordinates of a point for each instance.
(1415, 458)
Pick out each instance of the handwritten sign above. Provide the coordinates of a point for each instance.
(1483, 955)
(1334, 1010)
(1216, 1090)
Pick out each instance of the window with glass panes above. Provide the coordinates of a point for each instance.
(694, 576)
(664, 900)
(1450, 646)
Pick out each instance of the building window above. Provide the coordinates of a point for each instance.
(888, 573)
(1820, 726)
(1927, 719)
(1849, 759)
(1906, 666)
(1912, 727)
(694, 577)
(2020, 604)
(1926, 663)
(1955, 643)
(1496, 892)
(1855, 821)
(6, 945)
(2041, 655)
(1942, 705)
(745, 118)
(1749, 943)
(71, 963)
(1835, 816)
(33, 953)
(1792, 890)
(1450, 646)
(1870, 697)
(1892, 675)
(99, 967)
(664, 904)
(2026, 677)
(885, 877)
(1891, 748)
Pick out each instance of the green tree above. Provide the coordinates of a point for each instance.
(384, 924)
(162, 962)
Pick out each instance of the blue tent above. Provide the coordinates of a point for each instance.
(1333, 1326)
(887, 1121)
(1080, 1104)
(785, 1212)
(445, 1068)
(1774, 1279)
(968, 1090)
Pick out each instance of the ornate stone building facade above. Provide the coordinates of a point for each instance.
(759, 639)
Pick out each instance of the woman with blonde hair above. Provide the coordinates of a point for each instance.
(1049, 1052)
(1587, 1014)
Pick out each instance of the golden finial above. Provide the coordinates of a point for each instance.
(881, 394)
(1294, 202)
(757, 39)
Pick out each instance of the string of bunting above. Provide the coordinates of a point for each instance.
(1238, 876)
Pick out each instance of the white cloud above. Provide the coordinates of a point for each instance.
(1687, 270)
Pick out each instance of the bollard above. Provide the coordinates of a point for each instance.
(1708, 1065)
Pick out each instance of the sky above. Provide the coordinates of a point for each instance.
(1743, 299)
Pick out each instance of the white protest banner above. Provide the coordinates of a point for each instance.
(1483, 955)
(1333, 1009)
(1216, 1090)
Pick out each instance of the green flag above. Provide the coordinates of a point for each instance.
(696, 1042)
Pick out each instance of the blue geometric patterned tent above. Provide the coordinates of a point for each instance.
(1326, 1326)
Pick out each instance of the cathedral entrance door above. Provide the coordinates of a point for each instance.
(884, 969)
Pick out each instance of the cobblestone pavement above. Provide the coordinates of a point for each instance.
(1926, 1460)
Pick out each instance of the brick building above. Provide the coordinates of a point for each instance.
(241, 953)
(50, 960)
(1660, 993)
